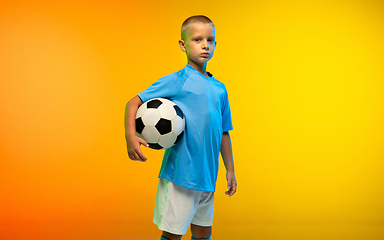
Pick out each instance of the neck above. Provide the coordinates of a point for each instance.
(201, 67)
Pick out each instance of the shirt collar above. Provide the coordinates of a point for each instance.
(193, 69)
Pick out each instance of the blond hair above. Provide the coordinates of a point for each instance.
(193, 19)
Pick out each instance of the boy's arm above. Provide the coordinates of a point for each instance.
(226, 153)
(133, 141)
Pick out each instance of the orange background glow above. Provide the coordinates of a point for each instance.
(306, 87)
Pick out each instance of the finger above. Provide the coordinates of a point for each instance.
(141, 141)
(233, 184)
(141, 156)
(233, 191)
(229, 187)
(232, 188)
(229, 193)
(229, 183)
(135, 156)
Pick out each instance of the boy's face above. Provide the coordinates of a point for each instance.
(200, 39)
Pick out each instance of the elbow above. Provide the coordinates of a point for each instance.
(136, 101)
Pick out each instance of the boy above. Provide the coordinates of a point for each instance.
(189, 170)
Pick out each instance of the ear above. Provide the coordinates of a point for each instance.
(182, 45)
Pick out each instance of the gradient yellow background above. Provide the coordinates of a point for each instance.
(305, 84)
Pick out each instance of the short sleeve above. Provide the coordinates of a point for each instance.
(226, 113)
(165, 87)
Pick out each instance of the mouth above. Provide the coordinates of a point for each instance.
(204, 54)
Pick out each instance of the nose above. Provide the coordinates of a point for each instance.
(206, 45)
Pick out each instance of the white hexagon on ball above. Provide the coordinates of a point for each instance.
(166, 111)
(167, 140)
(150, 117)
(150, 134)
(178, 125)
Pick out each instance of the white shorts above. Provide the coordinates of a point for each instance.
(176, 207)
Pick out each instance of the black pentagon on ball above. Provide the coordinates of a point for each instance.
(139, 125)
(179, 137)
(178, 111)
(155, 103)
(164, 126)
(155, 146)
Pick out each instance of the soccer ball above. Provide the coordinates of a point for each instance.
(160, 122)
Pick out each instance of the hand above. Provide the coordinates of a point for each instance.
(231, 183)
(133, 148)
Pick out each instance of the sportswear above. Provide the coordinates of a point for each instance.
(193, 162)
(177, 207)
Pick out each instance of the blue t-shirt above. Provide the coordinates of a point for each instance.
(194, 161)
